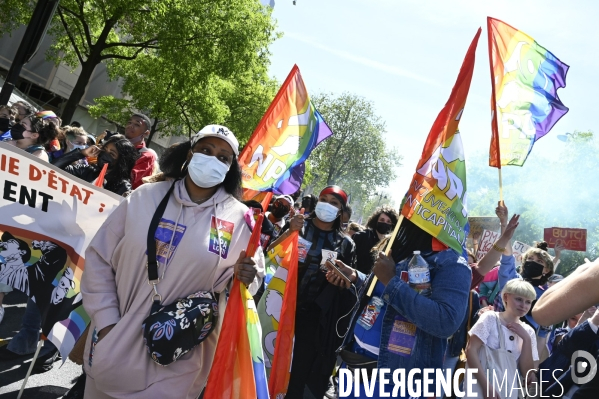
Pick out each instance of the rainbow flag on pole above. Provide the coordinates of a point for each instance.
(273, 159)
(238, 367)
(436, 199)
(525, 78)
(276, 310)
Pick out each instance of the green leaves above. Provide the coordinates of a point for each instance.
(186, 62)
(355, 157)
(210, 67)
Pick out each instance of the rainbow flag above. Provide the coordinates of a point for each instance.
(276, 310)
(525, 78)
(436, 199)
(238, 367)
(232, 374)
(255, 338)
(65, 333)
(290, 129)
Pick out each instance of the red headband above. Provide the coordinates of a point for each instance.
(337, 191)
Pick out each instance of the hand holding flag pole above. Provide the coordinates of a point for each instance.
(387, 250)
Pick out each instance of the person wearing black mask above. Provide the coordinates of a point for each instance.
(280, 209)
(7, 119)
(381, 223)
(309, 203)
(117, 152)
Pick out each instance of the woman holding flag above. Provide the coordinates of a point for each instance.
(320, 305)
(200, 242)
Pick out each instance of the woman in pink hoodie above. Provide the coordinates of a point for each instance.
(200, 243)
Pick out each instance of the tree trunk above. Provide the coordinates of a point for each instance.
(152, 131)
(87, 69)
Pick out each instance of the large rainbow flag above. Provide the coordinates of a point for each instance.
(276, 310)
(525, 78)
(436, 199)
(290, 129)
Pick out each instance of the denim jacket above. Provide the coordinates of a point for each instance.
(436, 317)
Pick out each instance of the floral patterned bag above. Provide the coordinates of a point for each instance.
(170, 331)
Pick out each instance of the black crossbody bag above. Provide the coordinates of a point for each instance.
(170, 331)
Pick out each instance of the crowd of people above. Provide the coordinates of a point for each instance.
(356, 311)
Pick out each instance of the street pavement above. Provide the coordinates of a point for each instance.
(49, 385)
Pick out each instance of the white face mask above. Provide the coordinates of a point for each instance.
(326, 212)
(78, 146)
(206, 171)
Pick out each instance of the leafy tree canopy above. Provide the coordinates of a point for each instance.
(355, 157)
(206, 58)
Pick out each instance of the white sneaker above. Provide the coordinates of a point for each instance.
(1, 313)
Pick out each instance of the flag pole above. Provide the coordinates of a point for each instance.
(37, 352)
(387, 250)
(500, 185)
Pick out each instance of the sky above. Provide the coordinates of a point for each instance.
(404, 56)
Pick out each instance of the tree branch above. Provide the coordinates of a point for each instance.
(85, 26)
(122, 57)
(145, 44)
(71, 39)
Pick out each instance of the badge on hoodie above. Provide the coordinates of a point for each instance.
(166, 244)
(221, 232)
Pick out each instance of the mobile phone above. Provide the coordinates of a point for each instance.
(338, 272)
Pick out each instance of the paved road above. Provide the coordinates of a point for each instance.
(49, 385)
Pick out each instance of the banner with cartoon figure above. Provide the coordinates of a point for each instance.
(47, 219)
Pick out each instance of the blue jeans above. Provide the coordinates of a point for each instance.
(25, 342)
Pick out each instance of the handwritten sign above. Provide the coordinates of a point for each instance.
(478, 224)
(519, 249)
(572, 239)
(487, 239)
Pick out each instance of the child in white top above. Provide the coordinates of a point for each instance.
(519, 337)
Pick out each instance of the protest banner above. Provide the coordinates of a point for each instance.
(572, 239)
(48, 217)
(478, 224)
(487, 239)
(519, 249)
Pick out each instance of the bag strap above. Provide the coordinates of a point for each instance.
(499, 326)
(151, 242)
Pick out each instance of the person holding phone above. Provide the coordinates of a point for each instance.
(319, 326)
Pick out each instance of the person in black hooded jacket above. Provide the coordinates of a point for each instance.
(381, 223)
(117, 152)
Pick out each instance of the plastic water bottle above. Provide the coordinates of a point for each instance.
(419, 276)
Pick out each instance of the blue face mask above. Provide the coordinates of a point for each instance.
(326, 212)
